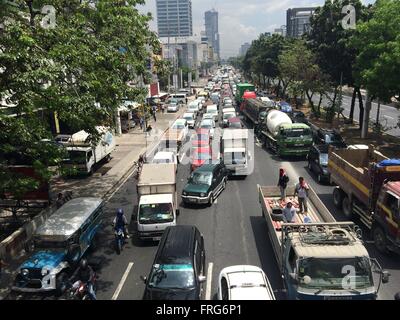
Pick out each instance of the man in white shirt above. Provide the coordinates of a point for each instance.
(301, 191)
(289, 212)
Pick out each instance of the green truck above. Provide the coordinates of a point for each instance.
(279, 134)
(241, 88)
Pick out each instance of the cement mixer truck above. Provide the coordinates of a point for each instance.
(285, 138)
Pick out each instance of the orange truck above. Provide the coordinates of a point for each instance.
(368, 187)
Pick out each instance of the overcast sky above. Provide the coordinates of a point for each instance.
(240, 21)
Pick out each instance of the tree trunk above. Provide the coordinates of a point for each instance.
(319, 104)
(264, 82)
(309, 97)
(361, 105)
(278, 89)
(353, 103)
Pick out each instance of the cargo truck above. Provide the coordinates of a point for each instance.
(83, 155)
(279, 134)
(157, 201)
(241, 88)
(236, 153)
(319, 259)
(368, 186)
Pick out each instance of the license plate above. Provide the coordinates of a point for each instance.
(193, 200)
(157, 239)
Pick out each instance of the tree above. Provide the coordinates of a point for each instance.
(79, 69)
(378, 44)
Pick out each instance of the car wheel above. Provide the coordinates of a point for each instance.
(379, 239)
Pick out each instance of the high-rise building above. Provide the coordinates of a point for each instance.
(244, 48)
(298, 21)
(211, 24)
(174, 18)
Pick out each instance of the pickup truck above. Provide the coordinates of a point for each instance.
(368, 186)
(322, 259)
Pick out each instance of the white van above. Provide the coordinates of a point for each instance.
(213, 109)
(179, 96)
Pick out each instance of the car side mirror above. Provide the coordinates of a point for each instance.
(202, 279)
(385, 276)
(144, 279)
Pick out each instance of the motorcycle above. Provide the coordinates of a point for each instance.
(119, 239)
(80, 290)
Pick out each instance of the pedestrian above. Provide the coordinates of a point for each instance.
(60, 200)
(162, 108)
(282, 182)
(186, 99)
(141, 122)
(301, 191)
(148, 130)
(154, 113)
(289, 213)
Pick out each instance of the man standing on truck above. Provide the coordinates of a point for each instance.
(282, 182)
(301, 190)
(289, 212)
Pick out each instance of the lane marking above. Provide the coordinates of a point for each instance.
(122, 282)
(209, 280)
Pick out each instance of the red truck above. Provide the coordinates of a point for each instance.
(368, 186)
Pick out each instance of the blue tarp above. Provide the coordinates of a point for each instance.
(389, 162)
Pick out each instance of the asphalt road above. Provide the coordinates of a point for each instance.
(388, 117)
(233, 229)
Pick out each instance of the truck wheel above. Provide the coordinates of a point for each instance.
(379, 239)
(337, 198)
(347, 207)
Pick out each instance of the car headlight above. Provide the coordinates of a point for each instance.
(184, 193)
(202, 194)
(25, 272)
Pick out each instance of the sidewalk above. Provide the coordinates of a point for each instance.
(106, 178)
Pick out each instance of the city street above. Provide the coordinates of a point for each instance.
(233, 229)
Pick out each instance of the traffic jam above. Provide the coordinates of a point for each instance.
(207, 152)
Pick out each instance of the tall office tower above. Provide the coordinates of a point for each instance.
(211, 24)
(174, 18)
(298, 21)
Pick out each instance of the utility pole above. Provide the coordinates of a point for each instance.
(368, 103)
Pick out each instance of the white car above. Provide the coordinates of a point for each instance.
(226, 117)
(209, 116)
(173, 107)
(181, 124)
(213, 109)
(190, 119)
(194, 107)
(244, 283)
(208, 124)
(166, 157)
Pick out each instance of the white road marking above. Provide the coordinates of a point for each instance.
(209, 281)
(122, 282)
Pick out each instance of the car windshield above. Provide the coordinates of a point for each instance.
(296, 133)
(328, 273)
(332, 138)
(206, 125)
(235, 125)
(178, 126)
(172, 276)
(156, 213)
(323, 159)
(201, 178)
(228, 115)
(78, 157)
(188, 118)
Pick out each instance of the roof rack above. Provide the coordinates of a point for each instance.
(344, 233)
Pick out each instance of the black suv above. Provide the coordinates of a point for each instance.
(178, 271)
(318, 161)
(329, 137)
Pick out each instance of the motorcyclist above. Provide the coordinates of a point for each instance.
(85, 274)
(120, 221)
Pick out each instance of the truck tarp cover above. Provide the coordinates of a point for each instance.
(389, 163)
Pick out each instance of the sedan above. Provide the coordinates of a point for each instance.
(318, 162)
(173, 107)
(244, 283)
(190, 119)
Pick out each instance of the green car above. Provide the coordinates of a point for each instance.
(205, 184)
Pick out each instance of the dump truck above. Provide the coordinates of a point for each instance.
(279, 134)
(241, 88)
(319, 259)
(157, 200)
(368, 187)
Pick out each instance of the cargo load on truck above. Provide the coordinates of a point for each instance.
(157, 203)
(254, 110)
(368, 187)
(279, 134)
(315, 253)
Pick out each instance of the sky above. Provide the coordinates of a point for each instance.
(240, 21)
